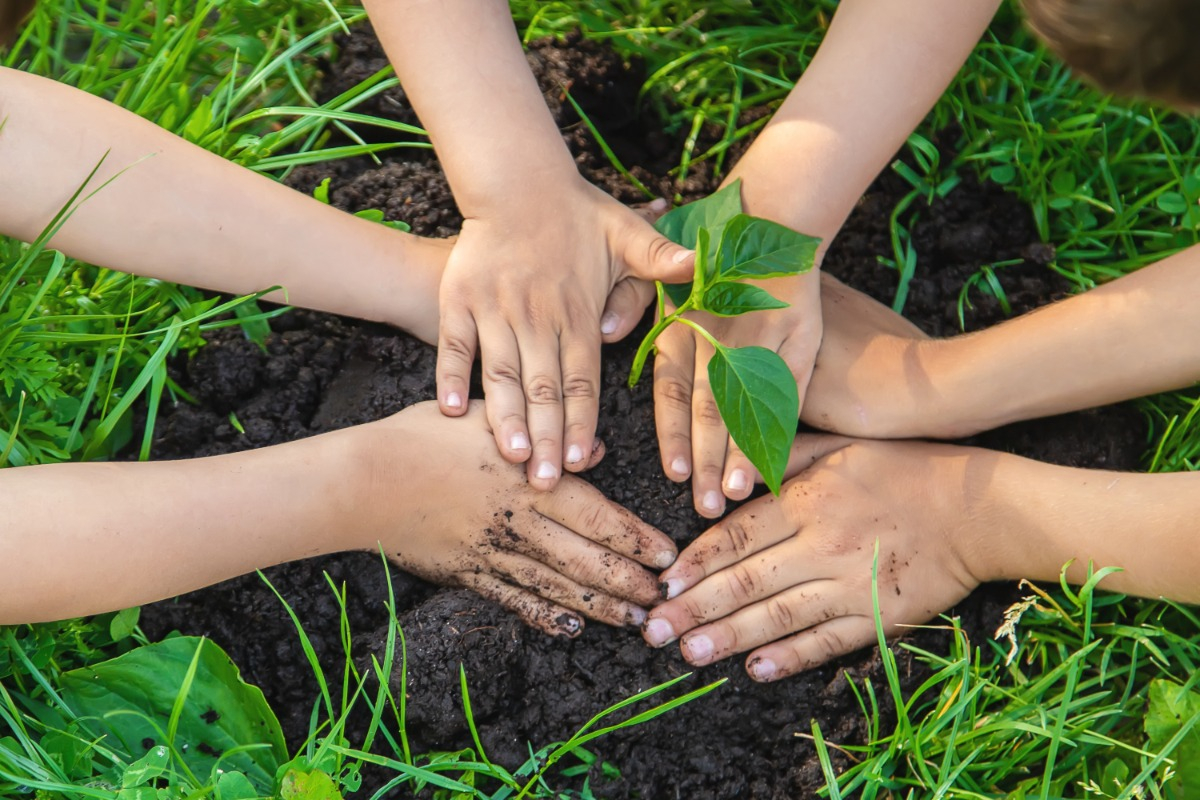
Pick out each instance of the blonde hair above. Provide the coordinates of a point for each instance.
(1144, 48)
(12, 14)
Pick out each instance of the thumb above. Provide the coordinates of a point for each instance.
(650, 255)
(809, 448)
(624, 308)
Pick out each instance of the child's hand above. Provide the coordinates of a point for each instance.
(692, 438)
(468, 518)
(529, 290)
(878, 375)
(791, 575)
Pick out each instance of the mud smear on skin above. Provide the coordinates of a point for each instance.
(321, 373)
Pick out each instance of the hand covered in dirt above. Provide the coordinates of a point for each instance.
(529, 291)
(877, 375)
(789, 577)
(465, 517)
(692, 438)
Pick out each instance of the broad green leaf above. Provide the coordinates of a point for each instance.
(730, 299)
(757, 397)
(129, 699)
(681, 224)
(758, 248)
(315, 785)
(1170, 709)
(235, 786)
(146, 768)
(678, 292)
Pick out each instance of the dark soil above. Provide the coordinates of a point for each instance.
(321, 373)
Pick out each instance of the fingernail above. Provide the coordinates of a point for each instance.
(609, 323)
(672, 587)
(699, 648)
(546, 471)
(597, 444)
(711, 501)
(454, 400)
(519, 441)
(570, 625)
(682, 256)
(664, 559)
(659, 632)
(574, 454)
(680, 466)
(635, 616)
(658, 204)
(737, 481)
(762, 669)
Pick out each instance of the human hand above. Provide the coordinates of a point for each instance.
(468, 518)
(877, 375)
(692, 437)
(529, 290)
(789, 577)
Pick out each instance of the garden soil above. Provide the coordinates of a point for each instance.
(320, 373)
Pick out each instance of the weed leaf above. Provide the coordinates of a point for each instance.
(682, 224)
(758, 248)
(757, 397)
(1172, 714)
(129, 700)
(731, 299)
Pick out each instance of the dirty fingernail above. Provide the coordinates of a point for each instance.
(574, 454)
(671, 588)
(635, 616)
(546, 471)
(680, 466)
(664, 559)
(711, 501)
(454, 400)
(682, 256)
(762, 669)
(519, 441)
(699, 648)
(569, 624)
(737, 481)
(659, 632)
(609, 323)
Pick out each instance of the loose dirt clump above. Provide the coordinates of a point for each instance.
(321, 373)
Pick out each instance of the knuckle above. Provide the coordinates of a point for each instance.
(501, 371)
(456, 349)
(781, 616)
(673, 393)
(828, 643)
(695, 612)
(542, 390)
(737, 537)
(704, 409)
(579, 387)
(743, 583)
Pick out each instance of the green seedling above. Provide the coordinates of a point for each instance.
(753, 387)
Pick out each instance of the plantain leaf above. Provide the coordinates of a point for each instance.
(732, 299)
(129, 701)
(1172, 711)
(757, 397)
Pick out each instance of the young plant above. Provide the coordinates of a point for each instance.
(753, 387)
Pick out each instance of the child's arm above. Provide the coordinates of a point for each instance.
(541, 249)
(790, 577)
(432, 492)
(179, 213)
(879, 70)
(881, 377)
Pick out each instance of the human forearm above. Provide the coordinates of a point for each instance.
(84, 538)
(1033, 518)
(879, 70)
(1125, 339)
(462, 67)
(182, 214)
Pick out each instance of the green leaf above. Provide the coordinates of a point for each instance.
(1172, 203)
(124, 623)
(321, 193)
(678, 292)
(731, 299)
(146, 768)
(751, 247)
(315, 785)
(1171, 709)
(757, 397)
(128, 700)
(682, 224)
(235, 786)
